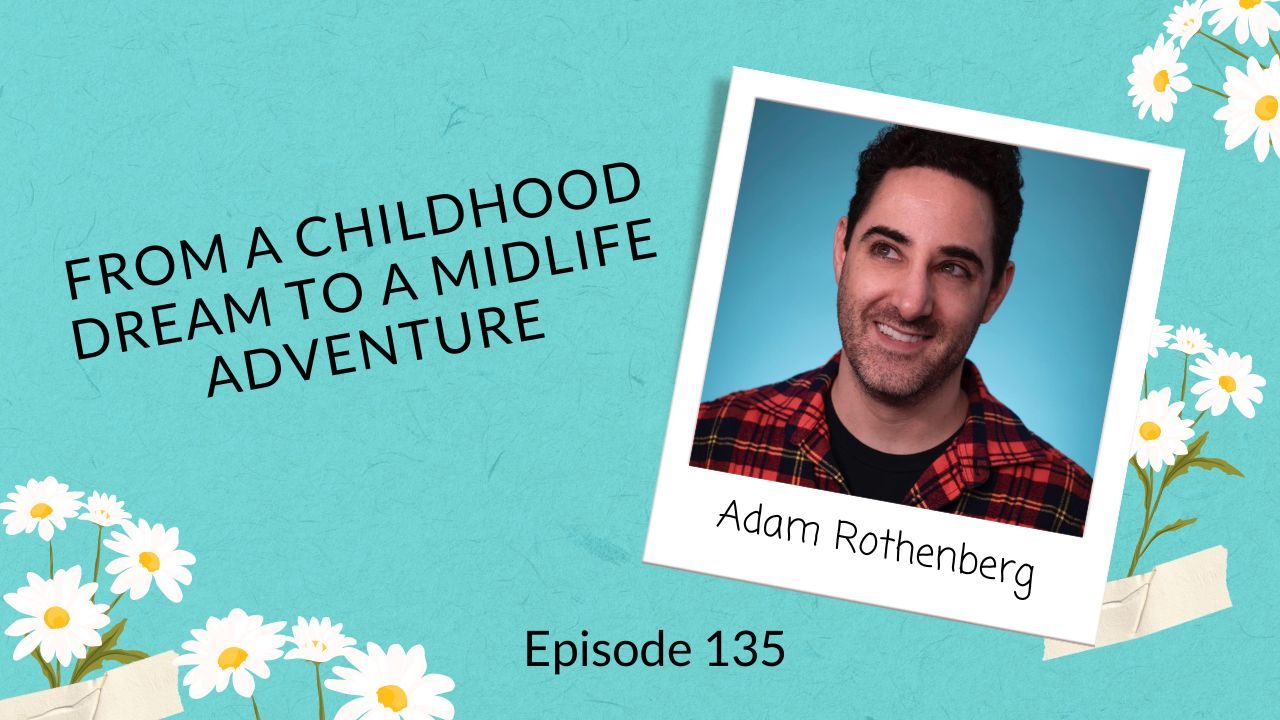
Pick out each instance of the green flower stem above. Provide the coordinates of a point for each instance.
(1206, 87)
(1202, 412)
(1146, 522)
(50, 558)
(1183, 396)
(97, 560)
(1144, 383)
(113, 603)
(59, 673)
(1140, 549)
(319, 690)
(1273, 46)
(1202, 32)
(256, 714)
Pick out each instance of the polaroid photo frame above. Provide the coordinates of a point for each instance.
(1063, 594)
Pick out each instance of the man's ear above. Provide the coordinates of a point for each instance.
(838, 252)
(998, 292)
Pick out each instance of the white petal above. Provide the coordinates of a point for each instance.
(1242, 404)
(1261, 145)
(438, 707)
(25, 646)
(355, 709)
(169, 587)
(242, 680)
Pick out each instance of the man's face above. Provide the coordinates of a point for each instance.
(915, 282)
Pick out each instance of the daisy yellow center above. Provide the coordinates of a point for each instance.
(393, 698)
(150, 561)
(1228, 383)
(1149, 430)
(1266, 107)
(231, 658)
(318, 644)
(1249, 4)
(41, 511)
(1161, 80)
(56, 618)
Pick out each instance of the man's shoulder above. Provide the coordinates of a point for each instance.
(1011, 442)
(1031, 482)
(750, 432)
(772, 402)
(1059, 464)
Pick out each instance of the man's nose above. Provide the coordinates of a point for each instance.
(914, 295)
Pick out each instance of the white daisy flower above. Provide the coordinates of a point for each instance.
(1251, 17)
(149, 552)
(1160, 336)
(318, 641)
(1160, 433)
(61, 619)
(1185, 21)
(391, 685)
(1157, 79)
(1227, 378)
(1253, 107)
(104, 510)
(231, 649)
(1190, 341)
(40, 505)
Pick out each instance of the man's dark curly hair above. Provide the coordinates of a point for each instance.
(991, 167)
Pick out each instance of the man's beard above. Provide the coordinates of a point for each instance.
(892, 378)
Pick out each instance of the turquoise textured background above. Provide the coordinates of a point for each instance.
(460, 502)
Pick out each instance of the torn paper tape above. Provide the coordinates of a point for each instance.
(143, 690)
(1171, 594)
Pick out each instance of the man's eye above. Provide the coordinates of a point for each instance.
(956, 270)
(884, 250)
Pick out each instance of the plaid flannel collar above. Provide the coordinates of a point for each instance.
(992, 435)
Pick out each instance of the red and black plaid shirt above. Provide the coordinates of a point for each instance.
(994, 468)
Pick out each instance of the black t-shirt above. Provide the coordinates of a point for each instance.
(873, 474)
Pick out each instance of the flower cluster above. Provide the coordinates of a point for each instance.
(62, 622)
(1252, 96)
(390, 684)
(1162, 437)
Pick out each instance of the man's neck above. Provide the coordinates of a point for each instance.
(900, 430)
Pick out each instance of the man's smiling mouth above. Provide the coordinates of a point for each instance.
(899, 335)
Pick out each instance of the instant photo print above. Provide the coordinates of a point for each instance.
(1012, 524)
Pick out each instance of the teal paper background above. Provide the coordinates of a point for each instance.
(460, 502)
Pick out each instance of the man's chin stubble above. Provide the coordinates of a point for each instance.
(911, 391)
(893, 396)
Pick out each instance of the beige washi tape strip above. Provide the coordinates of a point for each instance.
(143, 690)
(1171, 594)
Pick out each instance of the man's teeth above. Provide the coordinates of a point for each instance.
(899, 336)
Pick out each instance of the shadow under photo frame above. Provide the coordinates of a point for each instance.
(763, 309)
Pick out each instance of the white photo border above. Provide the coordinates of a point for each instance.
(1070, 572)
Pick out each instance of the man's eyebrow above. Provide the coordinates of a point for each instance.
(959, 252)
(888, 232)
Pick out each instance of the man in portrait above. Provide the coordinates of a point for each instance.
(921, 261)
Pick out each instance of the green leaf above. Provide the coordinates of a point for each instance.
(1171, 527)
(1194, 448)
(1183, 462)
(1146, 482)
(1215, 464)
(94, 658)
(124, 657)
(45, 668)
